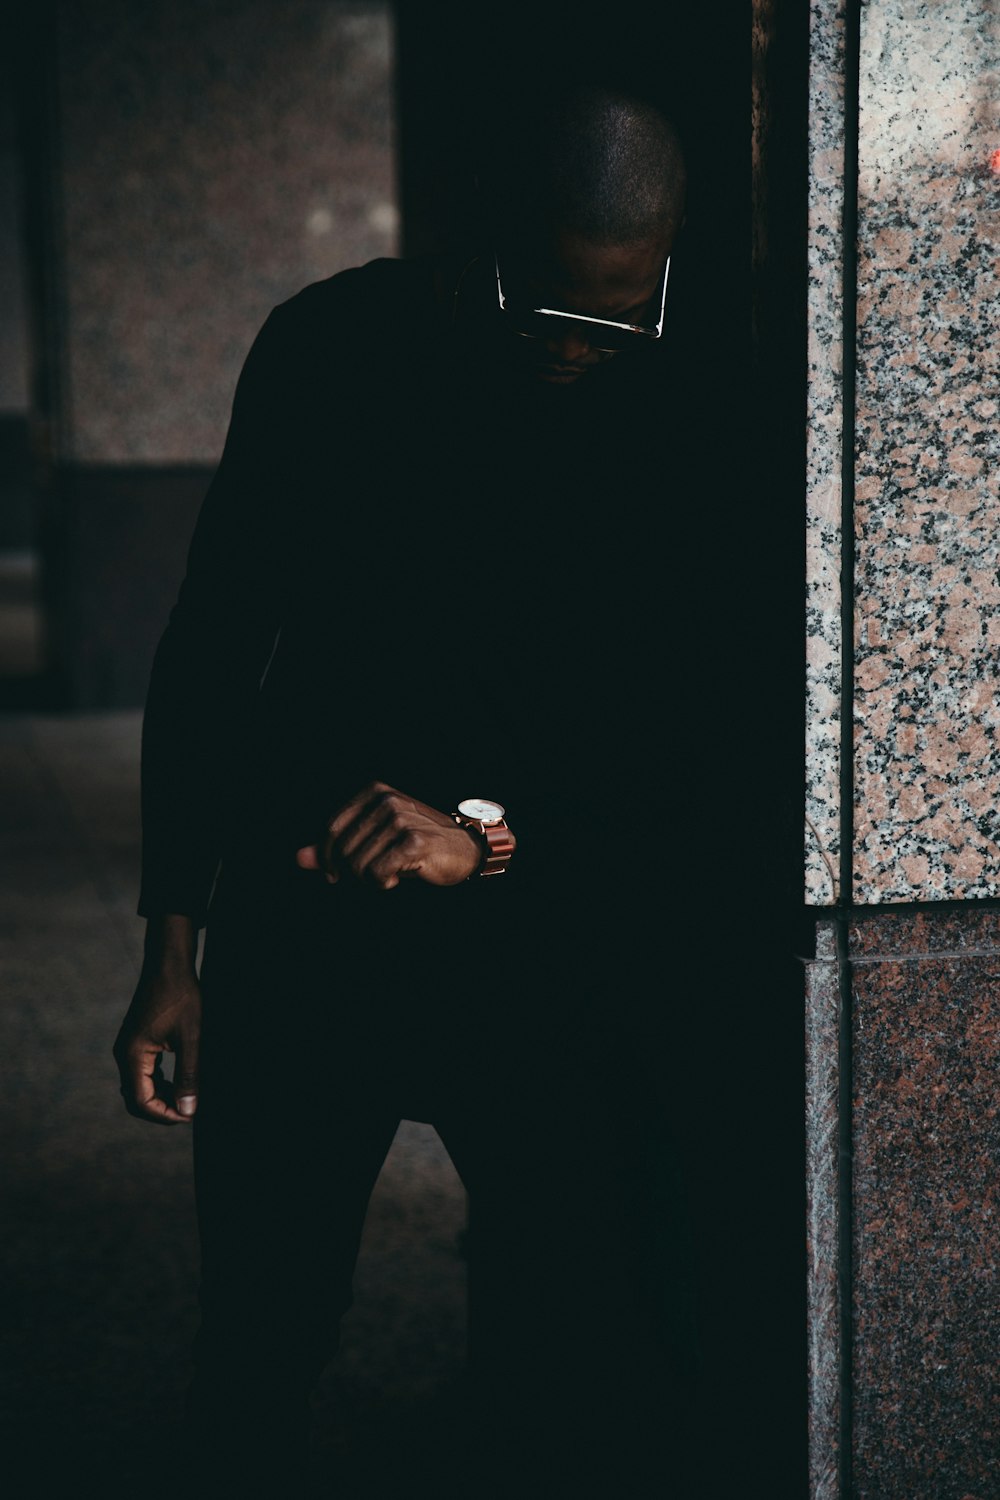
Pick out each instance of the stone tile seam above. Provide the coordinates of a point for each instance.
(947, 956)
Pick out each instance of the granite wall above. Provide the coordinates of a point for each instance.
(925, 506)
(903, 1016)
(903, 1206)
(926, 1143)
(824, 442)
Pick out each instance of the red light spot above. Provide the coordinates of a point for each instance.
(995, 163)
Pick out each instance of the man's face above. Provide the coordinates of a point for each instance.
(621, 283)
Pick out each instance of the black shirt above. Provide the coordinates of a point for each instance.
(416, 566)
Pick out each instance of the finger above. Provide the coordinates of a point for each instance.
(324, 857)
(403, 857)
(347, 851)
(366, 843)
(186, 1074)
(308, 858)
(364, 803)
(157, 1112)
(142, 1098)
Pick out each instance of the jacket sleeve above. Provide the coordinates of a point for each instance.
(221, 632)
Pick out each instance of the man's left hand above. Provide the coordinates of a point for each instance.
(382, 836)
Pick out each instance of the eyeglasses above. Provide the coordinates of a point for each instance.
(537, 322)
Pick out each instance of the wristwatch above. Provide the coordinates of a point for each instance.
(487, 818)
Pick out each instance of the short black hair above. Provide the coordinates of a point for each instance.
(596, 159)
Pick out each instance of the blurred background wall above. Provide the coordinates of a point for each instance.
(187, 166)
(15, 400)
(20, 655)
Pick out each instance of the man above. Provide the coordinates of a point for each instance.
(426, 588)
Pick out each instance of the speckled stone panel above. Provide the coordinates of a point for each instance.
(823, 1213)
(214, 157)
(966, 931)
(927, 757)
(824, 439)
(926, 1039)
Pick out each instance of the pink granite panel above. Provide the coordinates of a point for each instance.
(925, 1202)
(214, 157)
(927, 757)
(823, 1213)
(966, 932)
(825, 417)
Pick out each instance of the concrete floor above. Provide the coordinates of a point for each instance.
(99, 1235)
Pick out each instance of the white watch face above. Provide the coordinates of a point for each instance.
(481, 810)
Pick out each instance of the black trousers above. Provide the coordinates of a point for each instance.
(583, 1359)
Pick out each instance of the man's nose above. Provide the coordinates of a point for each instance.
(570, 346)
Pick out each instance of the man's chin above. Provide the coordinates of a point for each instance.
(559, 374)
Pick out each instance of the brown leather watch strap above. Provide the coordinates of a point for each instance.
(499, 848)
(500, 843)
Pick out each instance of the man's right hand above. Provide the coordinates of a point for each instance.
(164, 1016)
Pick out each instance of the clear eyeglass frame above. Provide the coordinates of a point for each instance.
(535, 322)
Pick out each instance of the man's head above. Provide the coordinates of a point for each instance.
(586, 195)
